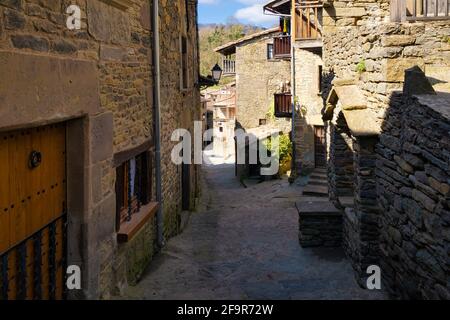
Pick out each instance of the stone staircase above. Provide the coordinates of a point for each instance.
(318, 184)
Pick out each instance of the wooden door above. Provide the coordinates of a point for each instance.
(33, 213)
(320, 150)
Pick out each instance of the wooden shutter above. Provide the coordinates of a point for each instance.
(120, 192)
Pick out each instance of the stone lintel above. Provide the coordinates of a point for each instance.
(308, 44)
(35, 90)
(362, 123)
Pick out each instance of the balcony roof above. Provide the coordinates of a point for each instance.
(230, 47)
(278, 7)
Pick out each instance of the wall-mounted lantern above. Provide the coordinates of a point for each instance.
(212, 79)
(216, 72)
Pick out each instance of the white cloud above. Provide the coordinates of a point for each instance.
(208, 1)
(254, 13)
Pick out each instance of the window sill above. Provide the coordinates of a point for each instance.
(129, 229)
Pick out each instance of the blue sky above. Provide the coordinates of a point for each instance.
(245, 11)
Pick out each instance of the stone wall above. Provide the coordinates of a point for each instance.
(363, 46)
(179, 107)
(320, 224)
(100, 78)
(310, 102)
(360, 32)
(257, 79)
(413, 179)
(361, 218)
(341, 171)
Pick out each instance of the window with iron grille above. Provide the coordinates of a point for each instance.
(320, 79)
(133, 187)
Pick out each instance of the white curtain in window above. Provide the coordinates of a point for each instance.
(132, 174)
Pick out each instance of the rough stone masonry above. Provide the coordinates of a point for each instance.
(413, 181)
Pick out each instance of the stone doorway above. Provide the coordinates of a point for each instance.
(320, 150)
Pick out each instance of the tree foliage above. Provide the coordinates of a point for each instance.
(213, 36)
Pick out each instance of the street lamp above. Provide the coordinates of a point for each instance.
(216, 73)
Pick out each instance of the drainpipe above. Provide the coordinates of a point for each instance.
(293, 92)
(157, 121)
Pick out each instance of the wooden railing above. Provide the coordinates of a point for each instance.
(282, 46)
(229, 67)
(283, 105)
(415, 10)
(308, 20)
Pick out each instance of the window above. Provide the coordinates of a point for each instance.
(270, 51)
(184, 64)
(262, 122)
(186, 5)
(133, 187)
(319, 84)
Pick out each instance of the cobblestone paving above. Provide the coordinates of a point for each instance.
(244, 245)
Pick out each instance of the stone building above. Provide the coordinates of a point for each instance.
(78, 142)
(306, 37)
(387, 169)
(259, 76)
(379, 142)
(223, 104)
(262, 78)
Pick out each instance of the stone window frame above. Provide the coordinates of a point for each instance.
(184, 65)
(143, 196)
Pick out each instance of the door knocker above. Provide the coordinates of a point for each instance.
(35, 159)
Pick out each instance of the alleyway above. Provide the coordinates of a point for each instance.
(244, 245)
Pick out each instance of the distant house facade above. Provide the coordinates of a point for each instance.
(262, 78)
(306, 37)
(222, 103)
(259, 76)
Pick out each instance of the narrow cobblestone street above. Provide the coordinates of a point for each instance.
(244, 245)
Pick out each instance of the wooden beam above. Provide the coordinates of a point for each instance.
(294, 21)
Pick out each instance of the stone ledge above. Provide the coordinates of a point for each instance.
(130, 229)
(317, 208)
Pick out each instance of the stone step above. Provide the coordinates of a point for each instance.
(316, 208)
(320, 170)
(318, 182)
(318, 176)
(313, 190)
(347, 202)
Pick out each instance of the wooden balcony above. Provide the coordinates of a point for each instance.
(228, 67)
(419, 10)
(283, 105)
(282, 47)
(307, 20)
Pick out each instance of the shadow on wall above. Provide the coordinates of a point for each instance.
(327, 84)
(413, 190)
